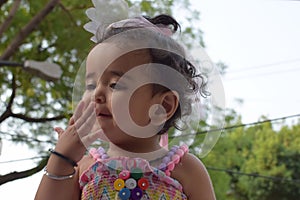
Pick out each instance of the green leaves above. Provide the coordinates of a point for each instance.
(266, 161)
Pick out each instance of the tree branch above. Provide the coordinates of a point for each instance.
(2, 2)
(37, 120)
(68, 13)
(10, 16)
(23, 174)
(24, 138)
(35, 21)
(7, 113)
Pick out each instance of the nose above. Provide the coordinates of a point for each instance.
(99, 94)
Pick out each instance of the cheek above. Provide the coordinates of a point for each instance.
(87, 97)
(135, 110)
(139, 111)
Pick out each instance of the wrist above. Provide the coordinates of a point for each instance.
(63, 157)
(58, 166)
(59, 177)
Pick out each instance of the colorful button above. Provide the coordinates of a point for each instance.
(119, 184)
(125, 174)
(136, 194)
(124, 194)
(136, 173)
(143, 183)
(130, 183)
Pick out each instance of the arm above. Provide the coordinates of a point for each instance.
(71, 146)
(193, 176)
(53, 189)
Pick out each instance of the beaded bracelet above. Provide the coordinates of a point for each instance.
(59, 178)
(72, 162)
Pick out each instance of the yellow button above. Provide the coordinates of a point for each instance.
(119, 184)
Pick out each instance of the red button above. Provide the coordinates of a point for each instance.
(143, 183)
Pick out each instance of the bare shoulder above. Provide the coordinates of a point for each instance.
(193, 176)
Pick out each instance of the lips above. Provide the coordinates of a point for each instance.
(103, 113)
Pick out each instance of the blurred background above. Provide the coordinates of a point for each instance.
(254, 44)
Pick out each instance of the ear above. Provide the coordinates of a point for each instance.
(169, 101)
(164, 107)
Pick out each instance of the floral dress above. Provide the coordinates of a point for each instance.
(125, 178)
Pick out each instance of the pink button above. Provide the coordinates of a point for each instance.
(125, 174)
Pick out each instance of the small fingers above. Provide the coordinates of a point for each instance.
(71, 121)
(87, 126)
(78, 111)
(85, 115)
(59, 131)
(90, 138)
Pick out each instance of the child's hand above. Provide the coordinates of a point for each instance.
(60, 131)
(74, 140)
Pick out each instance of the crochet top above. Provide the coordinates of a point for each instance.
(127, 178)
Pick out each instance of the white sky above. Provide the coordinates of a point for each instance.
(248, 36)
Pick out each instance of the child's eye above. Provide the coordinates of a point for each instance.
(117, 86)
(90, 87)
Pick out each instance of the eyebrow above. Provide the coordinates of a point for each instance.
(116, 73)
(119, 74)
(90, 75)
(111, 72)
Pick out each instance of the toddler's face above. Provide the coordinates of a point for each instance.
(109, 86)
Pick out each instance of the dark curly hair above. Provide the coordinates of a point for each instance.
(171, 54)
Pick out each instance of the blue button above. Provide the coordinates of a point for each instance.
(124, 194)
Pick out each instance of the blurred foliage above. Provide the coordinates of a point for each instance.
(58, 38)
(253, 152)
